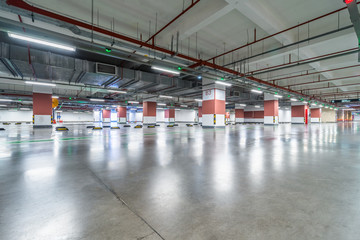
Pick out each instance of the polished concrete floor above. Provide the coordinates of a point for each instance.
(242, 182)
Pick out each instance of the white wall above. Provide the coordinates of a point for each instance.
(135, 116)
(77, 117)
(15, 116)
(357, 118)
(284, 116)
(185, 115)
(160, 115)
(232, 117)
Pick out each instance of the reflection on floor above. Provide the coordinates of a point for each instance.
(241, 182)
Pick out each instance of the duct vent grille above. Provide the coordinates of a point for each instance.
(106, 69)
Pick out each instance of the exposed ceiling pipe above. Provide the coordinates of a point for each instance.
(322, 81)
(278, 33)
(290, 45)
(23, 5)
(172, 21)
(329, 87)
(303, 61)
(313, 73)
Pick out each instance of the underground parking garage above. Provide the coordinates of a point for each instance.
(168, 119)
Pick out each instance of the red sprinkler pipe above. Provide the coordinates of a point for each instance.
(313, 73)
(176, 18)
(327, 80)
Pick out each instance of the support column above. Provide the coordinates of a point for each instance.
(42, 106)
(149, 113)
(170, 115)
(106, 116)
(213, 105)
(239, 114)
(271, 110)
(121, 114)
(299, 113)
(200, 114)
(315, 115)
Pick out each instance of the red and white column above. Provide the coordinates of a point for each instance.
(213, 105)
(106, 116)
(42, 106)
(149, 113)
(315, 115)
(254, 114)
(271, 110)
(239, 114)
(299, 113)
(200, 114)
(121, 114)
(170, 115)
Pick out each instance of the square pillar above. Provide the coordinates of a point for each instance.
(170, 115)
(315, 115)
(42, 106)
(106, 116)
(149, 113)
(121, 114)
(213, 104)
(299, 113)
(271, 110)
(200, 114)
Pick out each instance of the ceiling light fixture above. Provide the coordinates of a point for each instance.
(161, 104)
(278, 96)
(55, 97)
(223, 83)
(116, 91)
(43, 42)
(163, 96)
(183, 105)
(165, 70)
(133, 102)
(41, 83)
(257, 106)
(256, 91)
(293, 99)
(198, 100)
(243, 105)
(97, 100)
(6, 100)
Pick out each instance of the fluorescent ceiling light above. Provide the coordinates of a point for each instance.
(165, 70)
(41, 83)
(313, 104)
(304, 102)
(43, 42)
(278, 96)
(116, 91)
(223, 83)
(25, 109)
(3, 105)
(198, 100)
(161, 104)
(59, 111)
(243, 105)
(293, 99)
(163, 96)
(257, 106)
(176, 109)
(160, 108)
(97, 100)
(256, 91)
(183, 105)
(6, 100)
(55, 97)
(134, 102)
